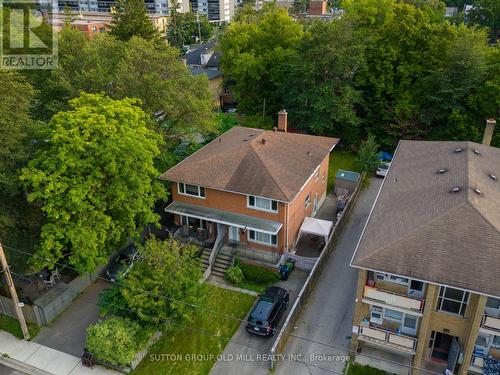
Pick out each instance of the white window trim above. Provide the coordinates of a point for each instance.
(262, 209)
(440, 305)
(262, 242)
(387, 279)
(191, 195)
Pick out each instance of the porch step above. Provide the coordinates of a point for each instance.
(217, 273)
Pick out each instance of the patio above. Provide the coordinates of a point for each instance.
(309, 245)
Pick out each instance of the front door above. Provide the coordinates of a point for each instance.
(234, 234)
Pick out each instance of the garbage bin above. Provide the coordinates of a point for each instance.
(284, 271)
(291, 264)
(88, 359)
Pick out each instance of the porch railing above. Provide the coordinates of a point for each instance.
(491, 322)
(219, 243)
(401, 343)
(393, 299)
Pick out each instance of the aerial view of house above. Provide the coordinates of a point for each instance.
(429, 261)
(252, 187)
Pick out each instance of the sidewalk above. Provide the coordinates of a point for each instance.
(32, 358)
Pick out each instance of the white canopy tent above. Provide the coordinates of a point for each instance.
(318, 227)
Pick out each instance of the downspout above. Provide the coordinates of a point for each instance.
(287, 228)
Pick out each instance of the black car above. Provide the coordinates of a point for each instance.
(122, 263)
(267, 311)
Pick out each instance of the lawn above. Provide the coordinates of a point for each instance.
(12, 326)
(207, 338)
(341, 160)
(357, 369)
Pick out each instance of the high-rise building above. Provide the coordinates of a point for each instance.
(152, 6)
(214, 10)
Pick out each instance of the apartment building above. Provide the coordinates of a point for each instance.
(158, 7)
(428, 292)
(252, 188)
(215, 10)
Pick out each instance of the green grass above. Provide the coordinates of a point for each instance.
(207, 337)
(12, 326)
(341, 160)
(357, 369)
(259, 288)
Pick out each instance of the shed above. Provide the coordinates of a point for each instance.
(346, 181)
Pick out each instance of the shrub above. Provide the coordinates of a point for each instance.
(257, 274)
(234, 275)
(116, 340)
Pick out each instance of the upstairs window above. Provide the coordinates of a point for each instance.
(192, 190)
(263, 204)
(453, 301)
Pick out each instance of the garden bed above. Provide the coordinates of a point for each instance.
(357, 369)
(206, 335)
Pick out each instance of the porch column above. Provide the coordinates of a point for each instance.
(424, 333)
(475, 321)
(358, 305)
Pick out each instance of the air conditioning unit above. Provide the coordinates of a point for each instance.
(376, 315)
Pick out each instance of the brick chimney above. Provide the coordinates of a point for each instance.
(282, 121)
(488, 131)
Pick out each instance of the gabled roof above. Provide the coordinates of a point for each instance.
(259, 162)
(210, 73)
(421, 229)
(193, 56)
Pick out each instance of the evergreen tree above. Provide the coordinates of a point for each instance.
(131, 19)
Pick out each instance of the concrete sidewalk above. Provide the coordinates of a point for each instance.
(33, 358)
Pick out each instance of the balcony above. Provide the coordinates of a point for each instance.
(490, 325)
(476, 364)
(388, 340)
(376, 296)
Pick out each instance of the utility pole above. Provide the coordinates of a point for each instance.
(13, 293)
(199, 27)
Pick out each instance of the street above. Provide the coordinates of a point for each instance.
(329, 312)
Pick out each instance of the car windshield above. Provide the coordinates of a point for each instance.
(383, 166)
(261, 310)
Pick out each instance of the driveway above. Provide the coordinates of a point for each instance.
(247, 353)
(68, 332)
(330, 308)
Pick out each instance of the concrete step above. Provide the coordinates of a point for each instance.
(225, 256)
(224, 261)
(217, 273)
(219, 269)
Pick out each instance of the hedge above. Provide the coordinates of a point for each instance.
(257, 274)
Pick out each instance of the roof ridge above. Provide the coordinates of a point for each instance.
(413, 232)
(267, 170)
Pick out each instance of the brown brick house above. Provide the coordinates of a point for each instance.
(253, 186)
(429, 262)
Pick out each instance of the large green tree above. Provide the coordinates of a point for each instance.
(255, 51)
(160, 286)
(131, 19)
(486, 13)
(95, 181)
(186, 28)
(180, 103)
(19, 221)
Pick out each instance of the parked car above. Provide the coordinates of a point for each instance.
(122, 264)
(268, 310)
(382, 169)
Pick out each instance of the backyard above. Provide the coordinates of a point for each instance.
(341, 160)
(12, 326)
(206, 335)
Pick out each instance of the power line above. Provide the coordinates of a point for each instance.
(222, 314)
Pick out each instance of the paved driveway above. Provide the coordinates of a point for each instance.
(247, 353)
(330, 308)
(67, 334)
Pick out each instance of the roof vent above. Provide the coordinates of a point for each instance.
(457, 150)
(309, 153)
(455, 189)
(477, 191)
(476, 151)
(493, 177)
(442, 170)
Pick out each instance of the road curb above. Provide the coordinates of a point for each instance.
(21, 366)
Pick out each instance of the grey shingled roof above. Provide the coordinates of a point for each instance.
(254, 161)
(418, 228)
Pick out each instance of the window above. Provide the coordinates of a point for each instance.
(410, 321)
(193, 190)
(192, 221)
(261, 237)
(453, 301)
(392, 278)
(493, 303)
(308, 200)
(393, 315)
(263, 204)
(496, 342)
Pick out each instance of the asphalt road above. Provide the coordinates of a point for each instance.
(4, 370)
(328, 315)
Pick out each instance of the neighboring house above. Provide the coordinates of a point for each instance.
(451, 12)
(205, 60)
(252, 187)
(429, 260)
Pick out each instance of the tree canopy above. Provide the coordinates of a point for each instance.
(183, 28)
(131, 19)
(95, 179)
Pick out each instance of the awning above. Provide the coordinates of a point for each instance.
(225, 217)
(318, 227)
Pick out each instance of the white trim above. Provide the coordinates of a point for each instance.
(462, 302)
(225, 222)
(191, 195)
(270, 244)
(391, 307)
(262, 209)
